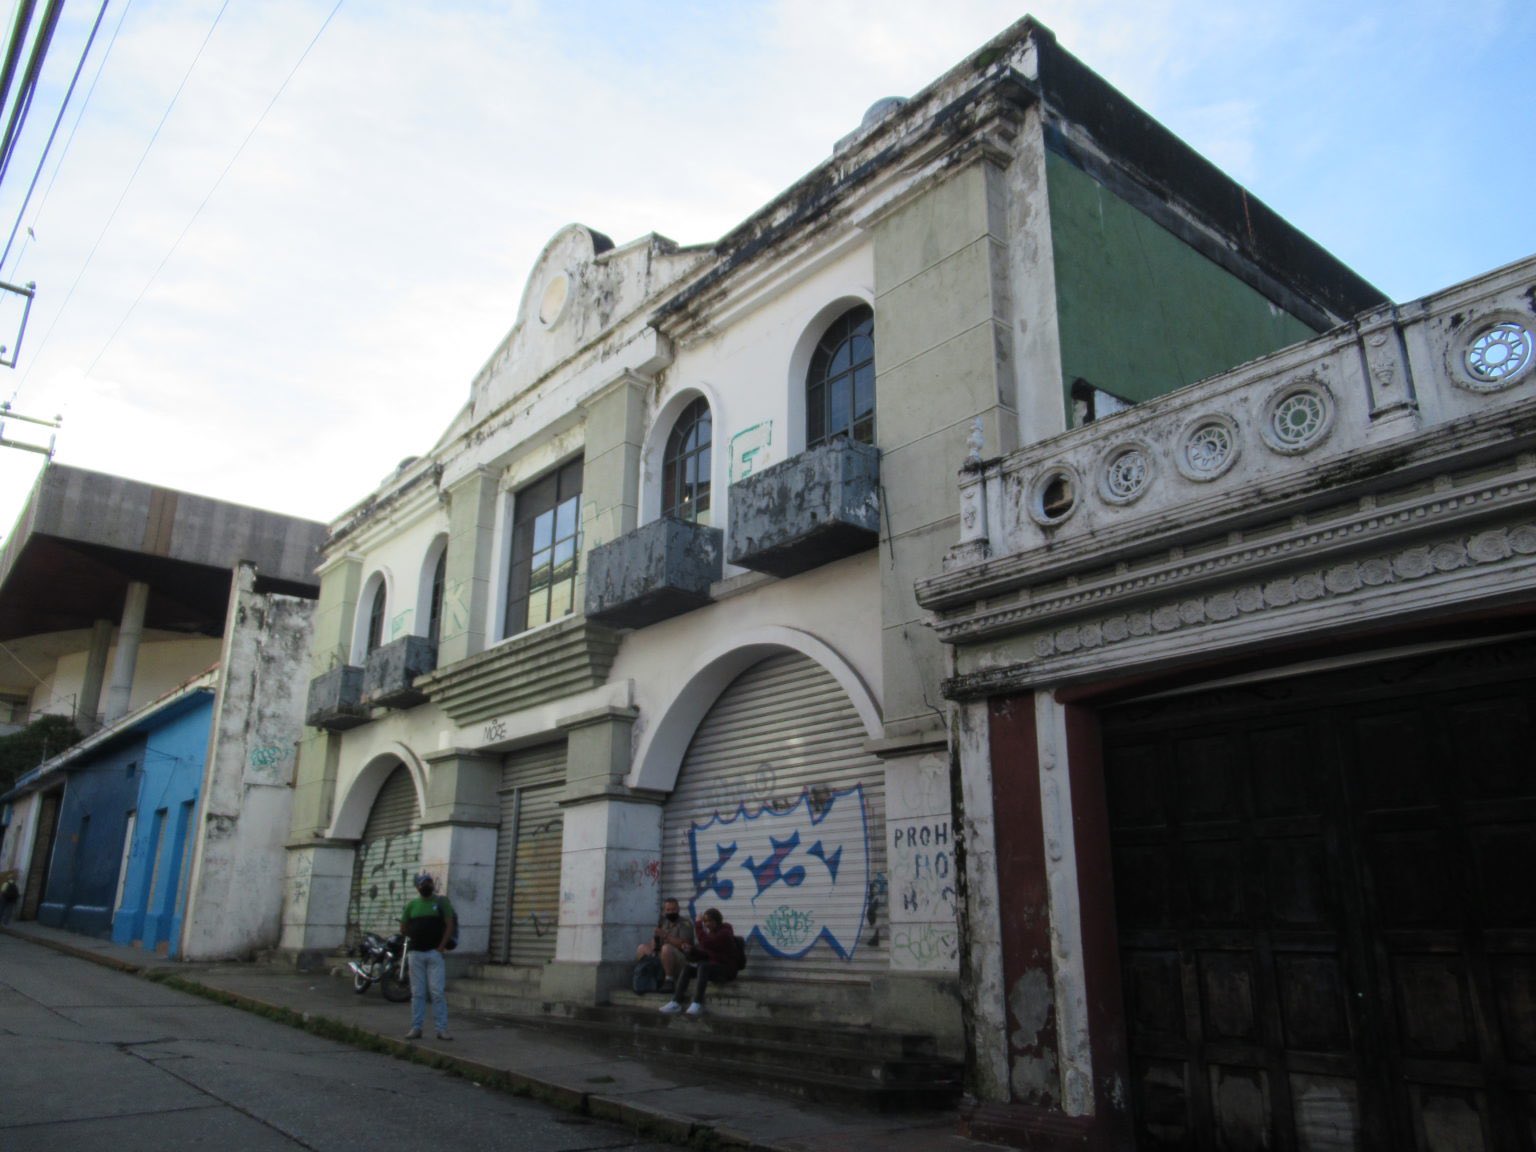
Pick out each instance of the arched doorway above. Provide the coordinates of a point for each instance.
(388, 857)
(778, 819)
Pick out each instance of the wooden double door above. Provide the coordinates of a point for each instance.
(1325, 893)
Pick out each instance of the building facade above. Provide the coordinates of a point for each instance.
(1245, 688)
(171, 630)
(642, 622)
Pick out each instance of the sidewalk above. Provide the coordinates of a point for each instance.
(659, 1100)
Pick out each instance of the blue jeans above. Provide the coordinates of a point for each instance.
(429, 974)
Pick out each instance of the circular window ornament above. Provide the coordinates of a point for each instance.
(1208, 447)
(1126, 473)
(1498, 354)
(1298, 417)
(1054, 495)
(552, 303)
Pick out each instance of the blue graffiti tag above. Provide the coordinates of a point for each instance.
(813, 855)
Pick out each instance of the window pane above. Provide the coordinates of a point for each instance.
(838, 409)
(538, 608)
(565, 526)
(543, 531)
(864, 391)
(669, 499)
(864, 431)
(560, 599)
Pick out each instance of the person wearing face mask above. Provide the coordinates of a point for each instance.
(670, 942)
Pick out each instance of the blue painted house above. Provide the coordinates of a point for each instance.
(126, 818)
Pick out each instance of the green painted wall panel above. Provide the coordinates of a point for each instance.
(1141, 312)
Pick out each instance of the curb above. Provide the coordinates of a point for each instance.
(644, 1121)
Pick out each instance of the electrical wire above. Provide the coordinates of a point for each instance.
(69, 141)
(57, 120)
(281, 88)
(137, 168)
(23, 105)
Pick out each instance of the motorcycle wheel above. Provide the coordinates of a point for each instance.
(395, 985)
(361, 983)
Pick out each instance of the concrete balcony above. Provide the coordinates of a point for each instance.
(389, 676)
(660, 570)
(820, 506)
(336, 700)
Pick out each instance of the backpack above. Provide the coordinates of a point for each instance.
(740, 947)
(648, 975)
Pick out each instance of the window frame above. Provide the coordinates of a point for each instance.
(825, 375)
(557, 496)
(686, 450)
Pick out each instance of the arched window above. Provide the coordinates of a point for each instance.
(375, 620)
(685, 466)
(435, 606)
(840, 386)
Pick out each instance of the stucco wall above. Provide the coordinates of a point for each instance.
(235, 903)
(162, 665)
(154, 889)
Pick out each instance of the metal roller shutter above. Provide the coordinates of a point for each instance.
(388, 858)
(778, 820)
(526, 892)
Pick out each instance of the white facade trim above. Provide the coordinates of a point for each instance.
(659, 756)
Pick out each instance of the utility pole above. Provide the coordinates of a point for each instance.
(7, 414)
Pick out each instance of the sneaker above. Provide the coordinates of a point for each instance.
(413, 1034)
(444, 1036)
(695, 1009)
(671, 1008)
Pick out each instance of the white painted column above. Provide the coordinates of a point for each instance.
(1068, 970)
(129, 632)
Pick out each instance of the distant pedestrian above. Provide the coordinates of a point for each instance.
(430, 925)
(9, 895)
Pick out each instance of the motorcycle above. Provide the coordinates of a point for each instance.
(382, 961)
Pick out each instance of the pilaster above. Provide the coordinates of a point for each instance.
(467, 575)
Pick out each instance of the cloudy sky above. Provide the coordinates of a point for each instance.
(274, 285)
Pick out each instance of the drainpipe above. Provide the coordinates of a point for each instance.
(129, 633)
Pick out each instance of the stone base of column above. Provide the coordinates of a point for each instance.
(316, 885)
(576, 982)
(923, 1002)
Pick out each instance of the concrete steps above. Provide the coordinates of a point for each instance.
(806, 1041)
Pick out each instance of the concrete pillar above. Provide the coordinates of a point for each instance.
(458, 839)
(316, 885)
(610, 861)
(95, 675)
(610, 480)
(467, 611)
(943, 327)
(129, 633)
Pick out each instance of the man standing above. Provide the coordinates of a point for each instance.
(671, 941)
(429, 924)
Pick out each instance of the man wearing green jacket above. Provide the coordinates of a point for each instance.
(429, 924)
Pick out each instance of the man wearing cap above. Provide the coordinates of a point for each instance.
(429, 924)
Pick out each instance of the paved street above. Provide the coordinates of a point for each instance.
(95, 1059)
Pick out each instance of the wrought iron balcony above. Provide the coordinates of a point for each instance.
(819, 506)
(390, 673)
(660, 570)
(336, 699)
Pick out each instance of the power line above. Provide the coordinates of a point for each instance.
(23, 105)
(59, 119)
(281, 88)
(64, 155)
(36, 356)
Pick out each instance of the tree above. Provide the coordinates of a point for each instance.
(22, 751)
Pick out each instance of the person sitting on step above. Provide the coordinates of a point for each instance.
(670, 943)
(715, 958)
